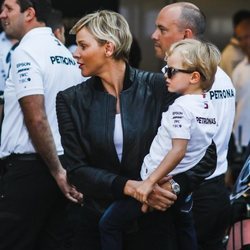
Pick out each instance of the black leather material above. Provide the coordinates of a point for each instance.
(86, 117)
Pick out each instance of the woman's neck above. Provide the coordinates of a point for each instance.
(113, 79)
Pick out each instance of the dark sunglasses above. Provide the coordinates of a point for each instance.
(172, 71)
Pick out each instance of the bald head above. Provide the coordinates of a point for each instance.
(181, 5)
(175, 22)
(190, 17)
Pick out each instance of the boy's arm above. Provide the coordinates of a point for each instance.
(170, 161)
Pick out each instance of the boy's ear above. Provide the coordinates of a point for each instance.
(195, 77)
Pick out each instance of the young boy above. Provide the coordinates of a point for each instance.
(186, 130)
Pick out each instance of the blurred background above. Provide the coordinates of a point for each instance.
(141, 15)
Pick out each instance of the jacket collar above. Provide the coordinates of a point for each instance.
(128, 79)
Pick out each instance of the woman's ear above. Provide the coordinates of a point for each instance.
(109, 49)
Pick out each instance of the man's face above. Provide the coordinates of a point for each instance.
(12, 19)
(167, 30)
(60, 34)
(242, 32)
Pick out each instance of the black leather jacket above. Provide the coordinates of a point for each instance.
(86, 117)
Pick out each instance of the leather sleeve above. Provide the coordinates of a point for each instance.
(192, 178)
(89, 180)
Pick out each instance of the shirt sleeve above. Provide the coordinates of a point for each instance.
(26, 74)
(178, 121)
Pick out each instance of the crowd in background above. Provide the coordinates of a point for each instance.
(77, 125)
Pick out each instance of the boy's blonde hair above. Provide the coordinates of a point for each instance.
(198, 56)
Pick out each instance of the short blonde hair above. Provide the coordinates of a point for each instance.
(110, 26)
(203, 57)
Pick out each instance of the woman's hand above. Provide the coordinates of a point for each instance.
(130, 187)
(162, 197)
(143, 190)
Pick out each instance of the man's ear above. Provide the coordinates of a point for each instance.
(109, 49)
(56, 32)
(188, 33)
(30, 14)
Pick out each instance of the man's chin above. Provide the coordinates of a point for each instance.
(159, 54)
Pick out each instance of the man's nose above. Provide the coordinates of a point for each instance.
(2, 14)
(154, 35)
(76, 53)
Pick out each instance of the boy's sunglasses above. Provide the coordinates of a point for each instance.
(172, 71)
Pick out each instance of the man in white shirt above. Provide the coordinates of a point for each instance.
(55, 22)
(211, 201)
(7, 45)
(241, 79)
(232, 54)
(33, 180)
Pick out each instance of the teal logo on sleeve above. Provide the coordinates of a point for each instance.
(22, 71)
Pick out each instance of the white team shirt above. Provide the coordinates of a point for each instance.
(5, 46)
(241, 79)
(190, 117)
(222, 95)
(41, 65)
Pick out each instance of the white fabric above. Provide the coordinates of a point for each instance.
(5, 46)
(40, 65)
(190, 117)
(241, 79)
(231, 55)
(118, 136)
(222, 96)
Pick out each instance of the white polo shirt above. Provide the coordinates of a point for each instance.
(241, 79)
(5, 46)
(222, 95)
(190, 117)
(41, 65)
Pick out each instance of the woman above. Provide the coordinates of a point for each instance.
(107, 125)
(181, 140)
